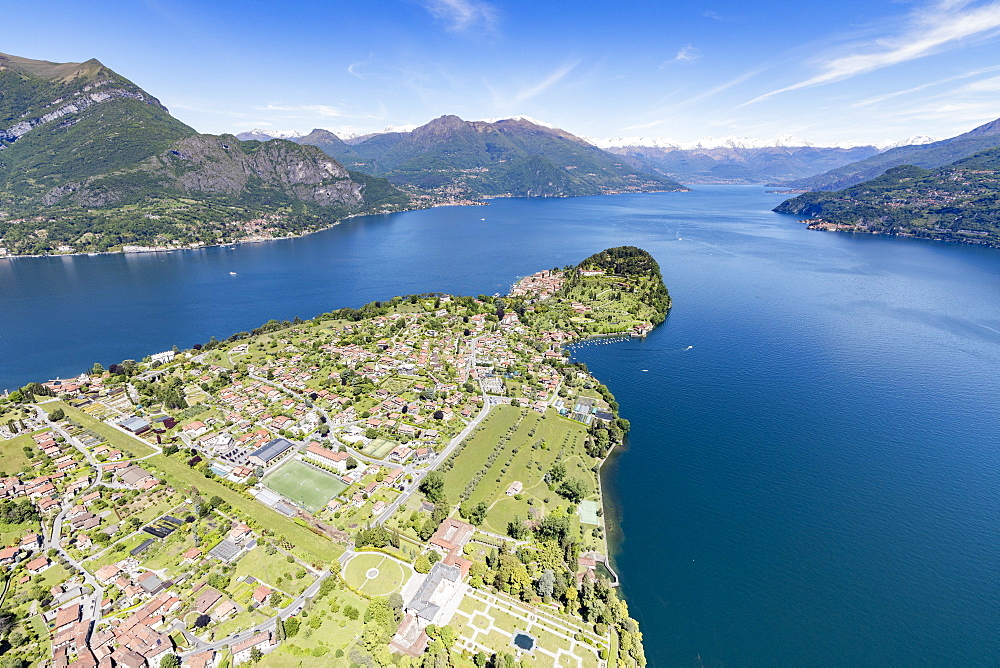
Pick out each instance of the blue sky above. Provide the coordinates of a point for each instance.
(824, 71)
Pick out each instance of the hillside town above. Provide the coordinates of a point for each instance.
(290, 489)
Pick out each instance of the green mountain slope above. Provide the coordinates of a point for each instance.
(928, 156)
(91, 162)
(508, 157)
(957, 202)
(66, 121)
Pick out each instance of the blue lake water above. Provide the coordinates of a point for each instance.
(813, 472)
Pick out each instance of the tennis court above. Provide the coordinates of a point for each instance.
(305, 485)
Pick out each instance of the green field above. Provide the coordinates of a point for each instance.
(535, 442)
(361, 574)
(307, 486)
(12, 451)
(319, 548)
(115, 438)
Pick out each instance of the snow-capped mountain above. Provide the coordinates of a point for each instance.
(529, 119)
(734, 141)
(915, 140)
(264, 135)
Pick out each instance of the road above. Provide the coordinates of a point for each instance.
(267, 625)
(92, 602)
(488, 403)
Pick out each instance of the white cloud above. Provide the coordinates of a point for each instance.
(542, 86)
(463, 15)
(687, 54)
(942, 26)
(323, 110)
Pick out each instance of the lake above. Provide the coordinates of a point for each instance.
(812, 474)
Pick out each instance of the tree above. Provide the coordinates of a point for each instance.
(97, 369)
(170, 661)
(573, 489)
(255, 654)
(57, 414)
(546, 583)
(352, 463)
(433, 486)
(292, 627)
(422, 564)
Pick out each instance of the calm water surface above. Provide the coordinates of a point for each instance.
(812, 476)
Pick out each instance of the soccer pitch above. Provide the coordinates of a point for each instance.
(307, 486)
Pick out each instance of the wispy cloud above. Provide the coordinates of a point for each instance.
(463, 15)
(686, 54)
(352, 69)
(547, 83)
(722, 18)
(941, 26)
(676, 106)
(867, 102)
(323, 110)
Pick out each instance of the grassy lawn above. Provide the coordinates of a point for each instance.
(115, 438)
(317, 548)
(476, 452)
(11, 534)
(391, 574)
(335, 632)
(243, 620)
(117, 551)
(307, 486)
(269, 568)
(12, 452)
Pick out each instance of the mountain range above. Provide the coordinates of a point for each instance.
(507, 157)
(90, 162)
(928, 156)
(955, 202)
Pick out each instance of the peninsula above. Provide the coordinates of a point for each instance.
(415, 482)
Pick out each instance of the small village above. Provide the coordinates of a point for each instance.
(413, 479)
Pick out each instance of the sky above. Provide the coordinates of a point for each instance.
(828, 72)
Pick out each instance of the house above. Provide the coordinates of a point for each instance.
(191, 555)
(225, 609)
(38, 565)
(452, 535)
(206, 600)
(9, 554)
(201, 660)
(260, 595)
(515, 488)
(162, 358)
(136, 477)
(107, 573)
(262, 641)
(239, 533)
(195, 429)
(66, 616)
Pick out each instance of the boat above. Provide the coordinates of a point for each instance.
(232, 273)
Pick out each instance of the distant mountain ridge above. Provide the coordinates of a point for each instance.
(928, 156)
(955, 202)
(739, 165)
(734, 141)
(90, 161)
(514, 156)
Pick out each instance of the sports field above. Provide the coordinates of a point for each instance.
(379, 448)
(307, 486)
